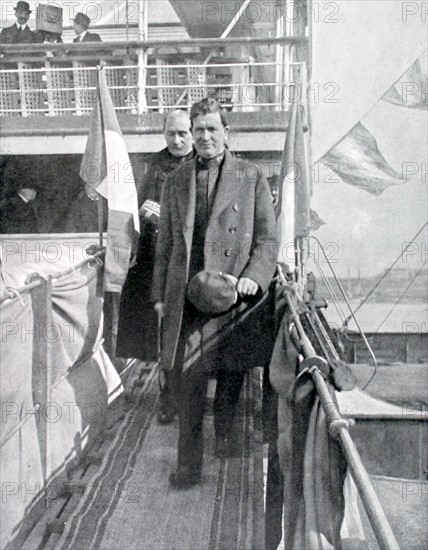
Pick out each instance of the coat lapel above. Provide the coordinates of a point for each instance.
(229, 182)
(185, 190)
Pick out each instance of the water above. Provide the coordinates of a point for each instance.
(406, 317)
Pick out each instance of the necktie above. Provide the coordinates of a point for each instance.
(202, 181)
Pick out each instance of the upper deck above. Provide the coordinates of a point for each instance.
(49, 89)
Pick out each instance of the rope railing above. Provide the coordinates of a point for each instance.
(338, 428)
(10, 293)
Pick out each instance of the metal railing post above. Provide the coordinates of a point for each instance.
(279, 32)
(143, 26)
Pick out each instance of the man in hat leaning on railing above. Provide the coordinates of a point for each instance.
(215, 258)
(19, 32)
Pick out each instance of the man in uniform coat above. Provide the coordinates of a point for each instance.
(216, 216)
(19, 32)
(137, 329)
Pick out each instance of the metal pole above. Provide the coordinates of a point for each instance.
(127, 19)
(279, 32)
(237, 17)
(22, 49)
(10, 293)
(224, 34)
(338, 427)
(100, 220)
(143, 26)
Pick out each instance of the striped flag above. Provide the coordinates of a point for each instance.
(106, 168)
(356, 159)
(411, 90)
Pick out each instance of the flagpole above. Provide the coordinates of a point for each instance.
(100, 220)
(100, 198)
(285, 222)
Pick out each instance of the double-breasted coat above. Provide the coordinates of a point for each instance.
(240, 240)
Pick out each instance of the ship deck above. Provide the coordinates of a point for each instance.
(123, 499)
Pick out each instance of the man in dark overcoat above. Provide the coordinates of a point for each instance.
(18, 213)
(216, 216)
(19, 32)
(137, 330)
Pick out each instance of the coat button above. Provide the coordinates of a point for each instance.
(232, 229)
(228, 252)
(235, 207)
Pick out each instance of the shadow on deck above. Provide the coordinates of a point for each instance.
(128, 503)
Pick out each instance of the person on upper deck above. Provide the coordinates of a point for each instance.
(137, 329)
(19, 32)
(18, 210)
(81, 25)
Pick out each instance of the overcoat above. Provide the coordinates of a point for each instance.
(240, 240)
(89, 37)
(11, 35)
(137, 328)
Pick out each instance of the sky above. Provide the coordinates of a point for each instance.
(364, 232)
(368, 231)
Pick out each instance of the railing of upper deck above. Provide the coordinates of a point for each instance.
(63, 82)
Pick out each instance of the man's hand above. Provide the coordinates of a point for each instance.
(27, 194)
(92, 194)
(246, 287)
(158, 307)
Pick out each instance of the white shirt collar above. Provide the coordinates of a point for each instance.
(23, 27)
(81, 35)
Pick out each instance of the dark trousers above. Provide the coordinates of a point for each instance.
(169, 397)
(193, 398)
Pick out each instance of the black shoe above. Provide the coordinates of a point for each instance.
(166, 415)
(184, 477)
(223, 447)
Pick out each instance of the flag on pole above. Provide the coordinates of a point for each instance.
(106, 168)
(315, 220)
(293, 219)
(411, 90)
(356, 159)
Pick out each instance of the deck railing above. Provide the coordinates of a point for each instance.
(338, 428)
(63, 82)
